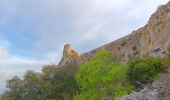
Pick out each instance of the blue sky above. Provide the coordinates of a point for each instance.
(33, 32)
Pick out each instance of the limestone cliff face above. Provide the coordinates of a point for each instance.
(68, 55)
(152, 39)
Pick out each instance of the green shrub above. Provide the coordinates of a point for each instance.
(143, 71)
(166, 61)
(169, 51)
(102, 76)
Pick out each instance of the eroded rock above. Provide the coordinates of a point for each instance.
(68, 55)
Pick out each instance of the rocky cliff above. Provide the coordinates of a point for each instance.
(153, 39)
(68, 55)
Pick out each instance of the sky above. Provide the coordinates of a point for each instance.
(33, 32)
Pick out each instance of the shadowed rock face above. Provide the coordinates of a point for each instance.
(152, 39)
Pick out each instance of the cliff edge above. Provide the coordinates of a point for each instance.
(152, 39)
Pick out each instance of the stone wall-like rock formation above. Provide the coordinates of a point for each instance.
(153, 38)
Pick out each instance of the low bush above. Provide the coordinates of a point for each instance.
(144, 70)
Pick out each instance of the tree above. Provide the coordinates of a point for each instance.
(15, 86)
(32, 84)
(53, 83)
(27, 89)
(102, 76)
(60, 81)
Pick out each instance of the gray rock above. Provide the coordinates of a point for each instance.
(159, 90)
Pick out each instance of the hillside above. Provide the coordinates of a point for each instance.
(135, 67)
(152, 39)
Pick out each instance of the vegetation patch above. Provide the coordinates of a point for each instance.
(144, 70)
(52, 84)
(102, 76)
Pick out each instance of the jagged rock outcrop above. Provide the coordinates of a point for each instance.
(153, 39)
(68, 55)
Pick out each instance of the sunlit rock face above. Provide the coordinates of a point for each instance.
(152, 39)
(68, 55)
(156, 38)
(68, 52)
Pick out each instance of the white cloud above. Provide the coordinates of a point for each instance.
(3, 54)
(107, 20)
(11, 65)
(55, 22)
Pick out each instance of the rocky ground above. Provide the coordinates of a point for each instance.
(158, 90)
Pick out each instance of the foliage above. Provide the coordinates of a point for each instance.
(143, 71)
(15, 85)
(61, 82)
(53, 83)
(169, 51)
(102, 76)
(166, 60)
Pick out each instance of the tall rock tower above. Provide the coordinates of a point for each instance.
(68, 55)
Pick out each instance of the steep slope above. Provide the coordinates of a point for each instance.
(153, 39)
(159, 90)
